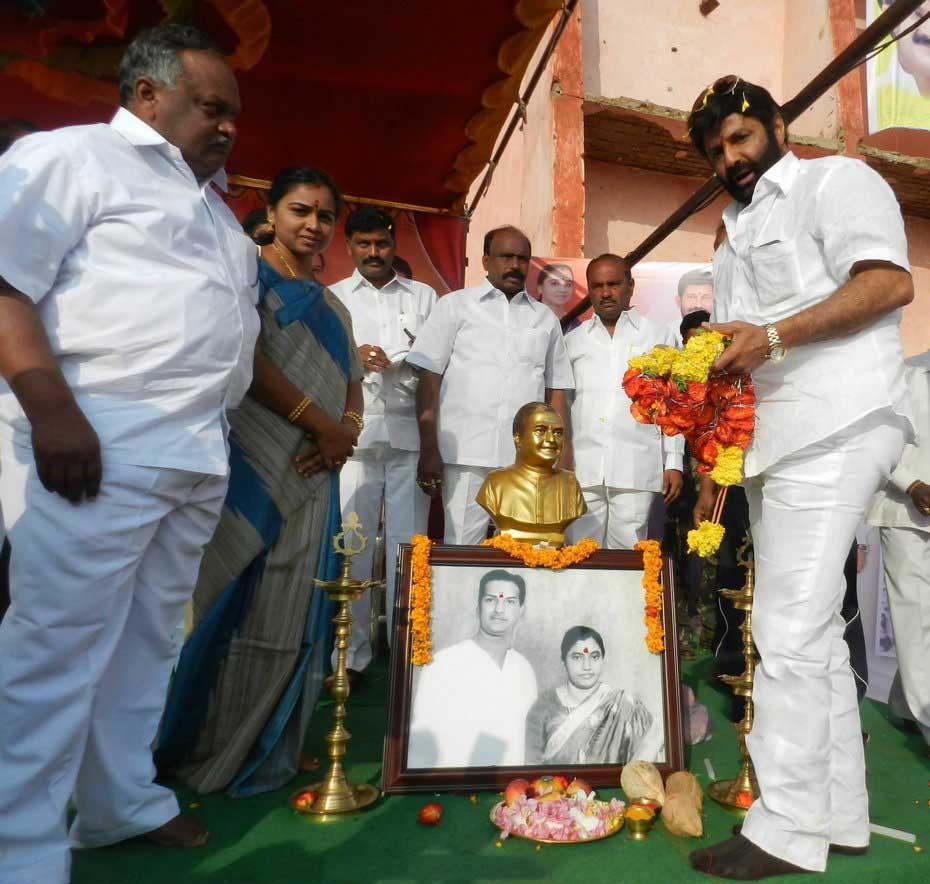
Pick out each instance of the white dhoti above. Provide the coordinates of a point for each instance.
(86, 651)
(616, 518)
(372, 476)
(906, 558)
(806, 741)
(466, 522)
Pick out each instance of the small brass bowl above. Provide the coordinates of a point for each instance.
(648, 803)
(639, 827)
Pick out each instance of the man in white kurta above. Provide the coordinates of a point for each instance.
(127, 296)
(484, 352)
(621, 465)
(470, 702)
(387, 312)
(902, 512)
(808, 286)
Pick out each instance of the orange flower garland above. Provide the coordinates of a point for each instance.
(554, 559)
(420, 601)
(652, 566)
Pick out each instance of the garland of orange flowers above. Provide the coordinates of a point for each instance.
(652, 566)
(421, 601)
(554, 559)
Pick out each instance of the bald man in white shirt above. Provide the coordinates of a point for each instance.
(484, 352)
(127, 327)
(387, 312)
(808, 286)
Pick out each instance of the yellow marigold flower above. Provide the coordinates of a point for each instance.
(694, 362)
(656, 363)
(729, 467)
(706, 539)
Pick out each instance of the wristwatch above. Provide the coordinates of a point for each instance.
(777, 351)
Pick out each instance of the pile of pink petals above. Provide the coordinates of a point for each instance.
(579, 818)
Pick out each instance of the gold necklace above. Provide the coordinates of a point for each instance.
(274, 245)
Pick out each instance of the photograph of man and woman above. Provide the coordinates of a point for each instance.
(532, 668)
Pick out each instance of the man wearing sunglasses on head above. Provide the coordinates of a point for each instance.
(808, 287)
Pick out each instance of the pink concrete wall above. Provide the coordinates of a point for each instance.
(669, 54)
(521, 190)
(624, 205)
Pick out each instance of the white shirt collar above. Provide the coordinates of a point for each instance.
(140, 134)
(357, 281)
(487, 287)
(631, 316)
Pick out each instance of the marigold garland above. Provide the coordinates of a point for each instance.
(705, 540)
(652, 567)
(674, 390)
(421, 601)
(555, 559)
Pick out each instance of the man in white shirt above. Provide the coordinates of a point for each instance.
(621, 464)
(808, 287)
(471, 701)
(902, 512)
(484, 352)
(387, 312)
(127, 324)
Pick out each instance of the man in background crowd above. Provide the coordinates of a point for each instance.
(484, 352)
(127, 328)
(902, 512)
(387, 312)
(621, 465)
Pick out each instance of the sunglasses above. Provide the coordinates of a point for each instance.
(724, 86)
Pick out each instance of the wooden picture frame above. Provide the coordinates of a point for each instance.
(605, 589)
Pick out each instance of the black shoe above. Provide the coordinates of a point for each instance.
(738, 859)
(841, 849)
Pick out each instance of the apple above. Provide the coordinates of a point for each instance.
(304, 799)
(577, 785)
(515, 790)
(544, 785)
(430, 814)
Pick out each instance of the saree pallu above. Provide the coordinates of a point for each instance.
(251, 671)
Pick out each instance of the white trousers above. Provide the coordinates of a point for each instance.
(906, 558)
(86, 651)
(616, 518)
(806, 741)
(466, 522)
(369, 478)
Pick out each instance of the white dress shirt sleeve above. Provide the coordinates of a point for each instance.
(433, 346)
(44, 210)
(558, 373)
(858, 219)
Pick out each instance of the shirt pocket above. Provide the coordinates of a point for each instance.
(530, 347)
(776, 271)
(410, 322)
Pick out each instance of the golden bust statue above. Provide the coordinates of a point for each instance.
(532, 500)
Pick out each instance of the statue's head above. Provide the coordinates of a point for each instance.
(538, 435)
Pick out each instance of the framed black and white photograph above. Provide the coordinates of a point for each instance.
(532, 670)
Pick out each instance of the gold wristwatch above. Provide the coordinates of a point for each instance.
(777, 351)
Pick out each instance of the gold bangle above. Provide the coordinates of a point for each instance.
(356, 419)
(299, 409)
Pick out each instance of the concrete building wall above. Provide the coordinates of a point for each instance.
(624, 205)
(667, 55)
(521, 190)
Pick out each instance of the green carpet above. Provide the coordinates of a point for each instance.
(261, 840)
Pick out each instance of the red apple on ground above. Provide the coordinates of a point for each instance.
(515, 790)
(430, 814)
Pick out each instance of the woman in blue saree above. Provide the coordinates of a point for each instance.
(251, 671)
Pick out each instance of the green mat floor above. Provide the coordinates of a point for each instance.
(261, 841)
